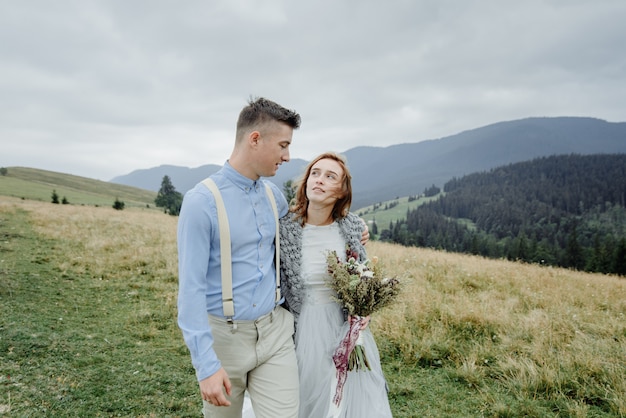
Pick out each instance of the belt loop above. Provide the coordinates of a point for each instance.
(233, 324)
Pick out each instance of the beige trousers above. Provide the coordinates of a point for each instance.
(258, 356)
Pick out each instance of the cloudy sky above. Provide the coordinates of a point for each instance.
(102, 88)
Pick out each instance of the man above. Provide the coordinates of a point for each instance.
(254, 349)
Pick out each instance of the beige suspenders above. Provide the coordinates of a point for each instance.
(270, 196)
(225, 256)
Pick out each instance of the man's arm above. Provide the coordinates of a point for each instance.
(365, 237)
(194, 248)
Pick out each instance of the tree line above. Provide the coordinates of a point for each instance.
(567, 211)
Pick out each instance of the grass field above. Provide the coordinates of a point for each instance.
(88, 326)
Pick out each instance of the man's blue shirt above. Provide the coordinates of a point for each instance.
(252, 231)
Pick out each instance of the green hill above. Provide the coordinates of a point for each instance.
(35, 184)
(383, 213)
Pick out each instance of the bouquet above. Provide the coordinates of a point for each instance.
(362, 289)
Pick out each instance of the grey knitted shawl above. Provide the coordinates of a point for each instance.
(292, 287)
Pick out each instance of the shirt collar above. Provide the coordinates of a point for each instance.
(238, 179)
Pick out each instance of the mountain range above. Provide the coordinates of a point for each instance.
(383, 173)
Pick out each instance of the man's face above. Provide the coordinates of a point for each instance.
(273, 148)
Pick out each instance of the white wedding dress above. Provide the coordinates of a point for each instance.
(320, 328)
(247, 411)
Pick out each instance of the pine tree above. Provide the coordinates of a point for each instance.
(573, 251)
(118, 204)
(619, 260)
(289, 190)
(168, 198)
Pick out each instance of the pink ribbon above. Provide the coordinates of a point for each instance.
(342, 354)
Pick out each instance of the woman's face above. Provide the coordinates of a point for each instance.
(324, 184)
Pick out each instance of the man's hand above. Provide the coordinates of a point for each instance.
(366, 233)
(212, 388)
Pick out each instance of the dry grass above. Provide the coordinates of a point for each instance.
(133, 240)
(537, 331)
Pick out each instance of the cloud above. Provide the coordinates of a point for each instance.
(102, 88)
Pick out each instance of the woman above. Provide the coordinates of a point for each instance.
(318, 222)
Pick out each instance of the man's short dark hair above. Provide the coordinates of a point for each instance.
(260, 110)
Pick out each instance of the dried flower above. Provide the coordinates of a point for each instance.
(361, 288)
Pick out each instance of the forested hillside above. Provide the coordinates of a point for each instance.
(567, 211)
